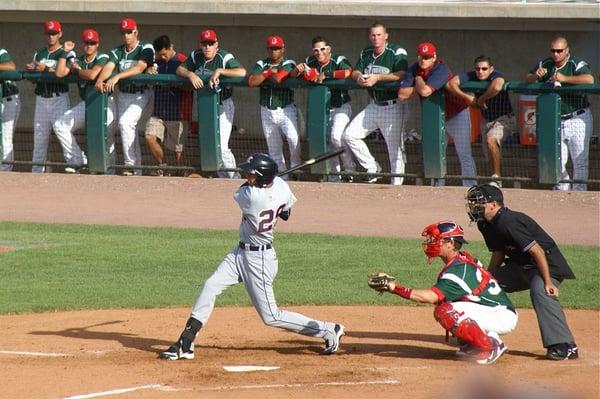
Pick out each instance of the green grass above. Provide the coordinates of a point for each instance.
(63, 267)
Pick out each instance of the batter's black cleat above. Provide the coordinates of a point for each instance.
(175, 352)
(332, 345)
(562, 351)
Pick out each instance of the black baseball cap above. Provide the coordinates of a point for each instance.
(491, 193)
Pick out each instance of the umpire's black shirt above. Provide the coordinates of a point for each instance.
(515, 233)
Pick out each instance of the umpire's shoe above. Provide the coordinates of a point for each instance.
(332, 345)
(562, 351)
(177, 352)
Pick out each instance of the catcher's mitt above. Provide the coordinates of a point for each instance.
(379, 281)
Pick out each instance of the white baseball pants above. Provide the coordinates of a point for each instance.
(338, 120)
(226, 113)
(10, 114)
(459, 128)
(497, 319)
(111, 127)
(282, 120)
(575, 134)
(73, 119)
(390, 120)
(130, 107)
(47, 111)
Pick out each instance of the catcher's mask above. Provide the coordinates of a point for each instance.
(435, 234)
(262, 166)
(478, 196)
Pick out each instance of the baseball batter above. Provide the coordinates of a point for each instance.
(52, 99)
(470, 304)
(380, 62)
(209, 58)
(87, 66)
(129, 59)
(428, 75)
(324, 64)
(576, 118)
(277, 109)
(11, 107)
(263, 199)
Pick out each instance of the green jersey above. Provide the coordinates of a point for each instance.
(464, 279)
(275, 97)
(223, 59)
(99, 59)
(8, 86)
(392, 59)
(124, 60)
(336, 63)
(573, 66)
(50, 59)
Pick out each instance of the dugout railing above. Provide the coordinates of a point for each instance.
(430, 156)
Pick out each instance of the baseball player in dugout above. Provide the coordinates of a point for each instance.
(499, 119)
(428, 75)
(562, 68)
(52, 99)
(11, 107)
(172, 111)
(263, 199)
(468, 301)
(277, 108)
(87, 67)
(209, 58)
(380, 62)
(525, 257)
(129, 59)
(324, 64)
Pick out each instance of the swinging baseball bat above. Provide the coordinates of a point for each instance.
(313, 161)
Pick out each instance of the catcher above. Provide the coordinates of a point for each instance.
(470, 304)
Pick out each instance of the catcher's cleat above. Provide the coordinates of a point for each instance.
(332, 345)
(466, 350)
(175, 352)
(489, 357)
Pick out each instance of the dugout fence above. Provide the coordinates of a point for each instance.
(530, 156)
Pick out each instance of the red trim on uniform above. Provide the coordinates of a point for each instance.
(313, 73)
(342, 73)
(439, 294)
(267, 74)
(281, 75)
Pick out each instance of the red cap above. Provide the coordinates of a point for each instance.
(52, 26)
(90, 35)
(128, 24)
(427, 49)
(208, 35)
(275, 41)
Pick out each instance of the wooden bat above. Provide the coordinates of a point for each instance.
(313, 161)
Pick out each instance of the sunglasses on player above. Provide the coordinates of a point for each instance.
(481, 68)
(320, 49)
(557, 50)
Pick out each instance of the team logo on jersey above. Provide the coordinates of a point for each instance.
(126, 64)
(49, 63)
(376, 69)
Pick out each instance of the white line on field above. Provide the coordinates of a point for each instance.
(122, 390)
(316, 384)
(34, 353)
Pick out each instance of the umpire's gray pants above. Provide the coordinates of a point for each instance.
(551, 318)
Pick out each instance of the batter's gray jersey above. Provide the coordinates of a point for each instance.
(260, 208)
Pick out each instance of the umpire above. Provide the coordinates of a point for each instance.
(524, 257)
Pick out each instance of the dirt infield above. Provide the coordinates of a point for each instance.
(388, 351)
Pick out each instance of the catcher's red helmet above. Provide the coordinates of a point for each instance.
(435, 234)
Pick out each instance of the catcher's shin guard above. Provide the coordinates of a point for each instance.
(467, 330)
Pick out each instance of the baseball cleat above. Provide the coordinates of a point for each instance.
(175, 352)
(466, 350)
(562, 352)
(489, 357)
(332, 346)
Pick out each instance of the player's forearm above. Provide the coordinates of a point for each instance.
(391, 77)
(89, 74)
(493, 89)
(579, 79)
(136, 70)
(531, 78)
(61, 68)
(405, 93)
(422, 88)
(8, 66)
(183, 72)
(233, 72)
(255, 80)
(356, 74)
(496, 260)
(106, 72)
